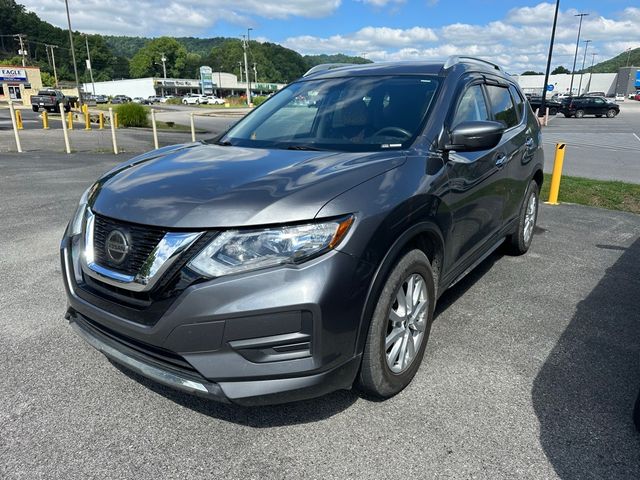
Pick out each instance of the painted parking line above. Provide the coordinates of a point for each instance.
(637, 138)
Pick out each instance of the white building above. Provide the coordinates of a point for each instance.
(582, 83)
(224, 84)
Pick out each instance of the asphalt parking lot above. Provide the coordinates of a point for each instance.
(531, 370)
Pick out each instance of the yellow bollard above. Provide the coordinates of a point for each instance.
(69, 121)
(45, 120)
(115, 119)
(101, 121)
(87, 120)
(19, 120)
(556, 175)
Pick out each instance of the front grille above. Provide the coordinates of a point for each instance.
(142, 240)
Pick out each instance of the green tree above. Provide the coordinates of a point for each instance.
(147, 61)
(48, 80)
(531, 72)
(559, 70)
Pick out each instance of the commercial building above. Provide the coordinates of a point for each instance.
(19, 83)
(223, 84)
(626, 81)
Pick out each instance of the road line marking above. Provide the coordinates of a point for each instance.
(637, 137)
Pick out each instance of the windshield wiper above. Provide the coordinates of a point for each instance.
(303, 147)
(224, 144)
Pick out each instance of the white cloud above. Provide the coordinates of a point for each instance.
(381, 3)
(519, 41)
(183, 17)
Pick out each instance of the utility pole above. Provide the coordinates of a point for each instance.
(628, 55)
(73, 52)
(163, 59)
(575, 57)
(586, 46)
(255, 73)
(546, 75)
(22, 52)
(53, 61)
(89, 66)
(245, 44)
(593, 58)
(240, 64)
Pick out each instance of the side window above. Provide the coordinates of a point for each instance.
(520, 105)
(472, 107)
(502, 106)
(599, 101)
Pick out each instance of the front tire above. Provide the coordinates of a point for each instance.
(399, 328)
(519, 242)
(611, 113)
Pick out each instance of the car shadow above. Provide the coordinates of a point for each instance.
(584, 393)
(295, 413)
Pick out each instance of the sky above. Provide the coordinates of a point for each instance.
(514, 34)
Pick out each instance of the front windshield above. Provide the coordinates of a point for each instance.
(344, 114)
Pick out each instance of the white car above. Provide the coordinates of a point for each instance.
(213, 100)
(619, 97)
(194, 99)
(164, 99)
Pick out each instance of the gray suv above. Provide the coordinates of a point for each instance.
(304, 250)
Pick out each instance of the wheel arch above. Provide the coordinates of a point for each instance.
(425, 236)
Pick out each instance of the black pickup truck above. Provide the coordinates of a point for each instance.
(50, 100)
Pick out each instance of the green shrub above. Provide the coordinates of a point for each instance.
(174, 101)
(258, 100)
(132, 115)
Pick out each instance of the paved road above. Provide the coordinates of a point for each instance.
(600, 148)
(530, 373)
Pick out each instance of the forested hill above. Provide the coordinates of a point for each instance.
(115, 57)
(630, 58)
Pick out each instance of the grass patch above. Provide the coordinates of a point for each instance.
(596, 193)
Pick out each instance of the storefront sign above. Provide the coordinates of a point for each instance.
(206, 80)
(13, 75)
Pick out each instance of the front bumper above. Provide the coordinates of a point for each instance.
(264, 337)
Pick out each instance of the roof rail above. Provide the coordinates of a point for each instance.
(455, 59)
(326, 66)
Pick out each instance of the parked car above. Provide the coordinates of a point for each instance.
(619, 97)
(120, 99)
(637, 96)
(536, 102)
(304, 250)
(580, 106)
(213, 100)
(153, 99)
(50, 100)
(194, 99)
(101, 99)
(165, 98)
(595, 94)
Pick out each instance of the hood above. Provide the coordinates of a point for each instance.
(209, 186)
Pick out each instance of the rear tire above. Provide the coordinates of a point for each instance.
(611, 113)
(518, 243)
(34, 108)
(399, 328)
(579, 113)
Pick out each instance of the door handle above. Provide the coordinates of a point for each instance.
(501, 159)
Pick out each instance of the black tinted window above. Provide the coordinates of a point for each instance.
(472, 107)
(502, 106)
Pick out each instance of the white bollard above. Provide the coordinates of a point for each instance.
(155, 130)
(15, 126)
(113, 131)
(546, 117)
(64, 129)
(193, 129)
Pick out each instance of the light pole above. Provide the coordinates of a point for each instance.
(546, 75)
(240, 64)
(593, 59)
(73, 52)
(586, 47)
(575, 57)
(89, 66)
(245, 44)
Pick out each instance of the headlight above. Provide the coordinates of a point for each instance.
(238, 251)
(75, 226)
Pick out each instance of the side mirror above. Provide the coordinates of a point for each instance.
(478, 135)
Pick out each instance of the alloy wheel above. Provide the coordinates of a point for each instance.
(530, 217)
(407, 323)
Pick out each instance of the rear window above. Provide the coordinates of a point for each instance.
(502, 107)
